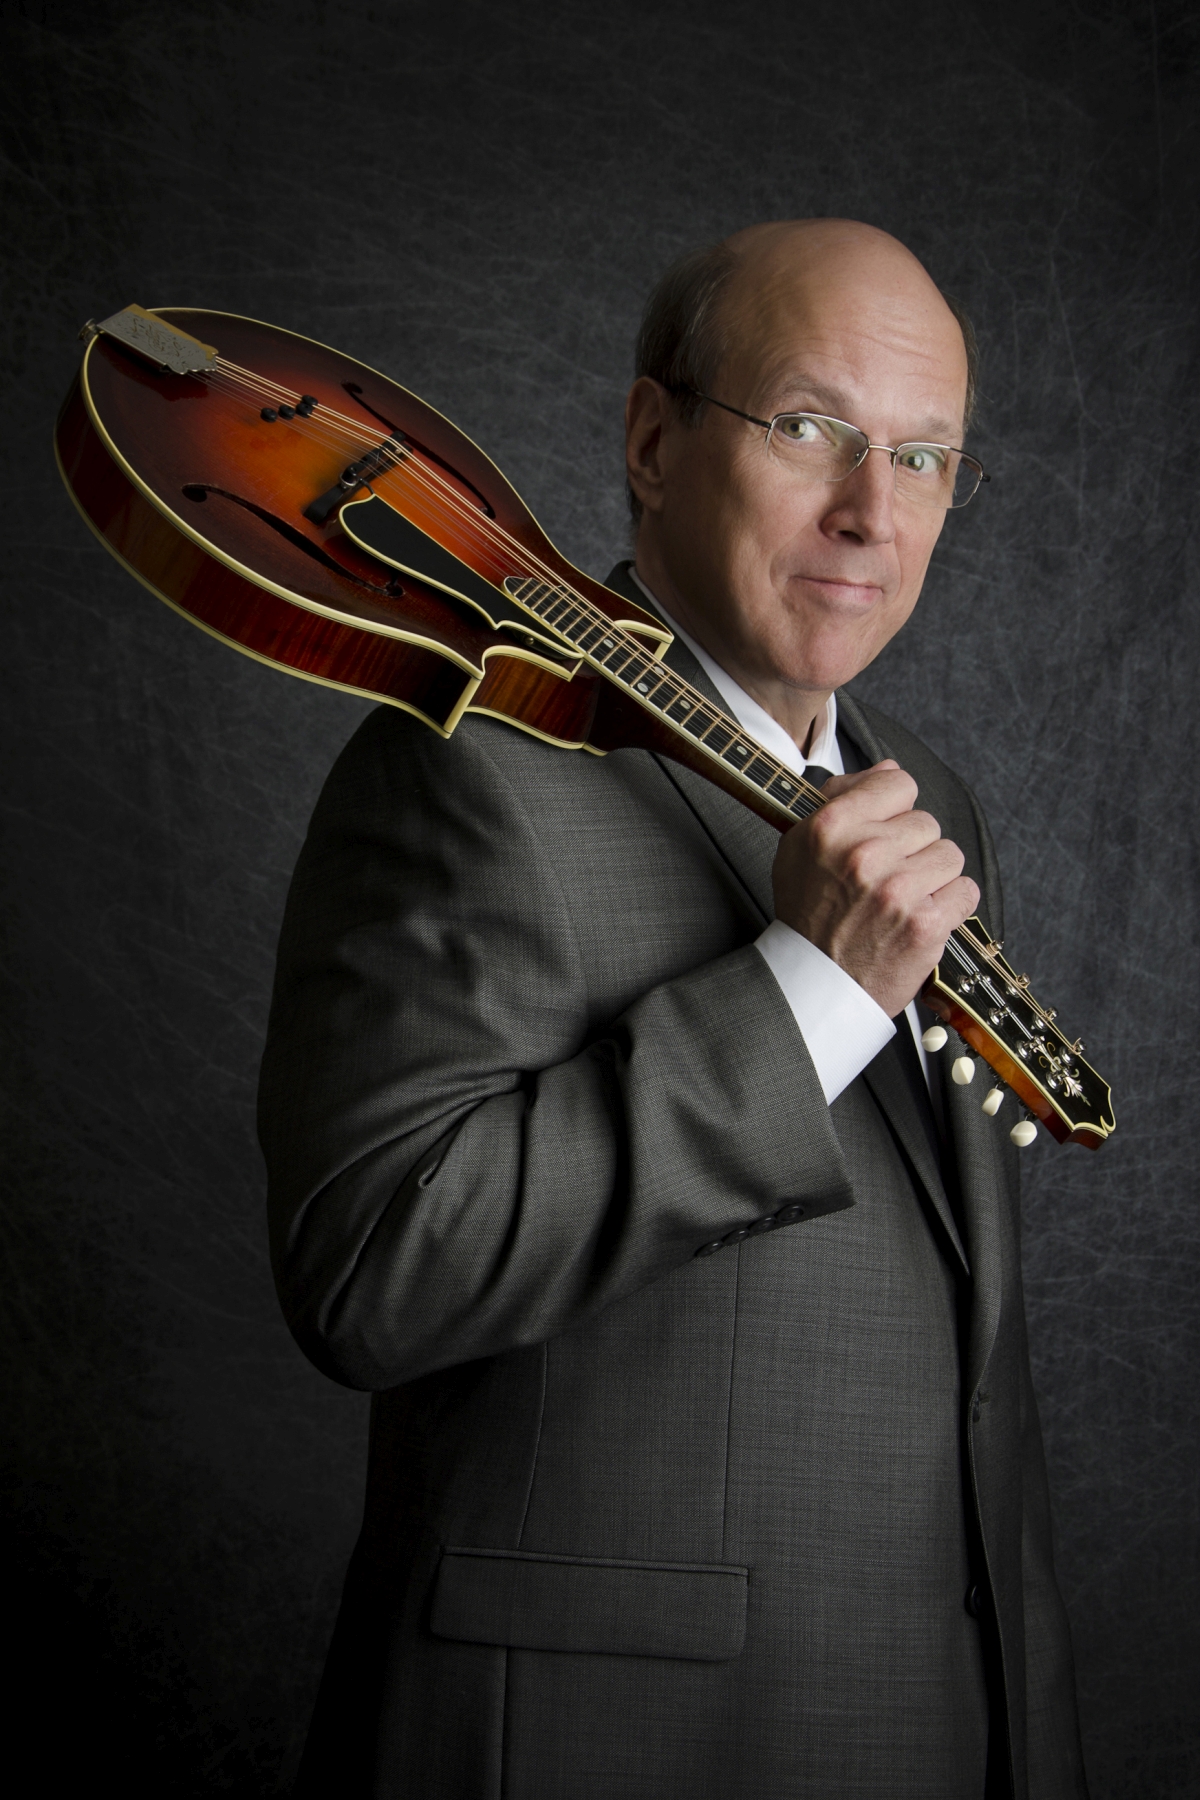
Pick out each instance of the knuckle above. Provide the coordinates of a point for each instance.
(860, 864)
(890, 894)
(820, 828)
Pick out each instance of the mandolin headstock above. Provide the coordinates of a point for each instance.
(980, 994)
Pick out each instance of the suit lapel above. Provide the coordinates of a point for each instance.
(748, 846)
(886, 1080)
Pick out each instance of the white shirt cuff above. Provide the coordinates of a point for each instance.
(841, 1025)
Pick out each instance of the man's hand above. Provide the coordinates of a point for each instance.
(874, 884)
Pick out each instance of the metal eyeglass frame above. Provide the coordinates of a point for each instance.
(768, 425)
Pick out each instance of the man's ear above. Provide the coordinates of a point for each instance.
(647, 414)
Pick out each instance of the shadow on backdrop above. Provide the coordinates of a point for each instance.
(477, 202)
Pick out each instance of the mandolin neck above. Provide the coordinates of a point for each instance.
(665, 712)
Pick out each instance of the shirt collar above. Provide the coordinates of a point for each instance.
(754, 719)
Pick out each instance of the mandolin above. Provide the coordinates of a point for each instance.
(319, 517)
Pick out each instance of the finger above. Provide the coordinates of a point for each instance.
(843, 784)
(869, 796)
(960, 895)
(953, 903)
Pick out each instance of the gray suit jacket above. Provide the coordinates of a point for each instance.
(701, 1406)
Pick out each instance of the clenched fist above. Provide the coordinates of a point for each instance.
(874, 884)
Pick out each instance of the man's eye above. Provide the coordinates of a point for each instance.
(923, 459)
(797, 428)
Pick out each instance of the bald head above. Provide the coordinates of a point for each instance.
(812, 272)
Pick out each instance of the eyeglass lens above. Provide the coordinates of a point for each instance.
(827, 449)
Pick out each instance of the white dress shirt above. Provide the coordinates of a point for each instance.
(841, 1025)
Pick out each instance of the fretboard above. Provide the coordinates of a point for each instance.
(620, 656)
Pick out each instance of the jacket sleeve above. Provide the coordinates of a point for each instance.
(459, 1161)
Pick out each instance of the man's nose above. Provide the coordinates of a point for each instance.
(861, 504)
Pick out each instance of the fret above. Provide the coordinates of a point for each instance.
(590, 637)
(699, 721)
(718, 737)
(737, 753)
(651, 686)
(759, 771)
(634, 671)
(781, 788)
(681, 707)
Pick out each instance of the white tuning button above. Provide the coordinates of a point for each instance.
(934, 1038)
(963, 1071)
(1023, 1132)
(994, 1102)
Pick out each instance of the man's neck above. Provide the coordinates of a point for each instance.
(799, 712)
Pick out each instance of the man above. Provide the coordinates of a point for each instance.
(705, 1460)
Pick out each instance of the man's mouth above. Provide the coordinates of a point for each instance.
(843, 591)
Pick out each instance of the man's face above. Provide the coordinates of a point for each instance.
(794, 581)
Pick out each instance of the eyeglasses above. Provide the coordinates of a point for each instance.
(824, 449)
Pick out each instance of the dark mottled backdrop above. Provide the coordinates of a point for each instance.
(475, 199)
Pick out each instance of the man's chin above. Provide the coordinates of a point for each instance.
(826, 659)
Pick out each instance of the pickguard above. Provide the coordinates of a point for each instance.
(387, 535)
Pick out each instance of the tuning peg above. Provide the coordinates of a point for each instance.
(934, 1038)
(963, 1071)
(1023, 1132)
(994, 1102)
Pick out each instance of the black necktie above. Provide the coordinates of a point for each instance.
(816, 775)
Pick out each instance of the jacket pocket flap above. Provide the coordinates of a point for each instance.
(695, 1611)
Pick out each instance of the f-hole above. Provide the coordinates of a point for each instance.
(354, 389)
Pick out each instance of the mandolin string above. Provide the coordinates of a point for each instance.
(238, 382)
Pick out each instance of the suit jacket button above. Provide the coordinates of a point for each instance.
(761, 1225)
(709, 1249)
(787, 1215)
(735, 1237)
(974, 1600)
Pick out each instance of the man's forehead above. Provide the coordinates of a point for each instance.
(797, 339)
